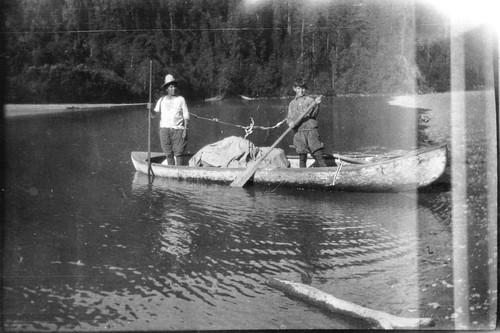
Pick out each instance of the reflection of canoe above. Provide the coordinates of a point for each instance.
(413, 170)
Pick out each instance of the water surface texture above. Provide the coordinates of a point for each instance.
(91, 245)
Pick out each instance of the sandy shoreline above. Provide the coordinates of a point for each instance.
(11, 110)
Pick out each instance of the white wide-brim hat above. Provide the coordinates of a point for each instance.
(169, 79)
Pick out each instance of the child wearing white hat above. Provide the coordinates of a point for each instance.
(173, 122)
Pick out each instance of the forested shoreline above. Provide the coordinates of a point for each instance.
(89, 51)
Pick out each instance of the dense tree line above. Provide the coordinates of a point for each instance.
(100, 50)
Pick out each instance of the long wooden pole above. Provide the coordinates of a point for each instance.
(331, 303)
(150, 171)
(248, 173)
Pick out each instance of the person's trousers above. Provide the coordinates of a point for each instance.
(318, 156)
(172, 144)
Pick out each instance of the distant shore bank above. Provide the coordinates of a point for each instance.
(427, 101)
(12, 110)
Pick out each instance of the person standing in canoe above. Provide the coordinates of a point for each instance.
(174, 118)
(306, 135)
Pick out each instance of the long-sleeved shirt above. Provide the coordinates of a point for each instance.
(173, 112)
(296, 107)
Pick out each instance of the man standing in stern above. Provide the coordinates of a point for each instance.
(173, 122)
(306, 135)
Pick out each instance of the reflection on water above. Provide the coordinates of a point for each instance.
(90, 245)
(258, 234)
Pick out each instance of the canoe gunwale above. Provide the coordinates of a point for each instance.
(412, 153)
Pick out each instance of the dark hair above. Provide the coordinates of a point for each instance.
(301, 84)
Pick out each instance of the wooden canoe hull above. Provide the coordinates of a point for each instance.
(414, 170)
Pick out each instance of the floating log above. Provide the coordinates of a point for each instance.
(215, 98)
(246, 98)
(331, 303)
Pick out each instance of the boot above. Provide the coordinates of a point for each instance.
(302, 160)
(320, 160)
(178, 160)
(170, 160)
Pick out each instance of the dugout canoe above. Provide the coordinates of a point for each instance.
(410, 171)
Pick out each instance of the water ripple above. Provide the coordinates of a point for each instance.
(191, 246)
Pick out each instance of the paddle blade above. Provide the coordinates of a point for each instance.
(245, 176)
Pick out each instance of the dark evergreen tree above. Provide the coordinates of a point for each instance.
(227, 47)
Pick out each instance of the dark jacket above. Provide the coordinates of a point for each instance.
(296, 107)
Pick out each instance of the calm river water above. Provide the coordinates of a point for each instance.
(90, 245)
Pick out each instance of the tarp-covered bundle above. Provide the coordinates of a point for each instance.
(236, 152)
